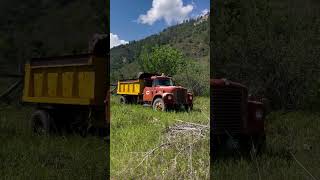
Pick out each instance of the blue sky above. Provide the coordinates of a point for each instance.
(137, 19)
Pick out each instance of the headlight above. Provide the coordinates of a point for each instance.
(169, 97)
(259, 114)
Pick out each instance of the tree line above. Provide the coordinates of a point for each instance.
(273, 47)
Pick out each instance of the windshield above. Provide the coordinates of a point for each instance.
(163, 82)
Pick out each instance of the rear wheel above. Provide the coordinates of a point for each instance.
(159, 105)
(42, 122)
(123, 100)
(81, 122)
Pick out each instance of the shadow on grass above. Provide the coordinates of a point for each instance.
(233, 155)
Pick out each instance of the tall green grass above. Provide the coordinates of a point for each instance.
(140, 148)
(290, 136)
(24, 155)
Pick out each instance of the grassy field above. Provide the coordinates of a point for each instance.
(148, 145)
(292, 145)
(145, 145)
(26, 156)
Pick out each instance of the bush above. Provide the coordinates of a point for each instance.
(194, 76)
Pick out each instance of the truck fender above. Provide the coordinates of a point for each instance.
(157, 96)
(160, 96)
(165, 94)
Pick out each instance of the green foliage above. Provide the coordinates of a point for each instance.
(162, 59)
(270, 46)
(195, 77)
(47, 28)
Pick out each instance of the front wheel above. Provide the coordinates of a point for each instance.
(42, 122)
(253, 145)
(188, 108)
(158, 105)
(258, 144)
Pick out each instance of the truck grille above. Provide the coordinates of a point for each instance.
(181, 96)
(226, 110)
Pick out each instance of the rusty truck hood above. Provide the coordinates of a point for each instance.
(170, 89)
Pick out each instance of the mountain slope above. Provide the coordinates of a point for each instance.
(190, 37)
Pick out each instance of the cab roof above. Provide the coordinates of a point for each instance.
(225, 82)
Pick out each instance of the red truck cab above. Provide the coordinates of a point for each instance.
(236, 121)
(162, 93)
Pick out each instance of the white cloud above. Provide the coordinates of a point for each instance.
(172, 11)
(116, 41)
(204, 12)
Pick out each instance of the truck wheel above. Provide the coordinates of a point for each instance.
(253, 145)
(188, 108)
(159, 105)
(42, 122)
(123, 100)
(258, 144)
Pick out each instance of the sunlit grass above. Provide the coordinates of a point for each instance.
(137, 131)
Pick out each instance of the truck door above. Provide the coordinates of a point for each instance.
(155, 86)
(148, 91)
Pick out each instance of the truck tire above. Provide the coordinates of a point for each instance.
(123, 100)
(258, 144)
(253, 145)
(158, 105)
(42, 122)
(188, 108)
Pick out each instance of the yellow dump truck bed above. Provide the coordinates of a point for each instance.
(130, 87)
(75, 79)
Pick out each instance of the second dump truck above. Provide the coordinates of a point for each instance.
(69, 92)
(158, 91)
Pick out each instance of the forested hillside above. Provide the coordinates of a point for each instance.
(271, 46)
(190, 37)
(45, 28)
